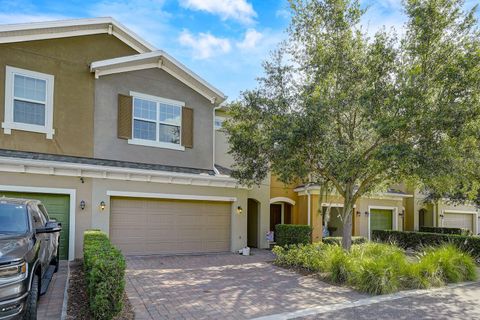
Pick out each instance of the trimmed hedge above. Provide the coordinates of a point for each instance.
(287, 234)
(104, 267)
(415, 240)
(459, 231)
(338, 240)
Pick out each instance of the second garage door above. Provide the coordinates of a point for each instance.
(152, 226)
(458, 220)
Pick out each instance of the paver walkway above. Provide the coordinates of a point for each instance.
(50, 304)
(223, 286)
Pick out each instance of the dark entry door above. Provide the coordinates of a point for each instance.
(275, 216)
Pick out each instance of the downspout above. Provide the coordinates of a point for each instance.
(307, 190)
(213, 139)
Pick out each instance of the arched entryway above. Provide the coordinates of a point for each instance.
(280, 212)
(253, 216)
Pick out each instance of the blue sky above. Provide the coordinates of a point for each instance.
(224, 41)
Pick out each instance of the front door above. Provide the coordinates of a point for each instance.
(275, 216)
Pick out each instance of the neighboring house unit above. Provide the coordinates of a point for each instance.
(111, 133)
(395, 209)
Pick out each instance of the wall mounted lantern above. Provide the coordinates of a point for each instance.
(82, 204)
(102, 205)
(359, 213)
(401, 214)
(239, 210)
(366, 213)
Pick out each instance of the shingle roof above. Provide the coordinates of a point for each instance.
(100, 162)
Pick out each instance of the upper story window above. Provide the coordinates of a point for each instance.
(156, 121)
(219, 122)
(28, 101)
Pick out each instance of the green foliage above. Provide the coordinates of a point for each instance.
(459, 231)
(338, 240)
(287, 234)
(417, 240)
(449, 264)
(378, 268)
(359, 112)
(104, 267)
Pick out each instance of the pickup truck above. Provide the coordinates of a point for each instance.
(29, 256)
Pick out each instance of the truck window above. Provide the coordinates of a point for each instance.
(13, 218)
(37, 219)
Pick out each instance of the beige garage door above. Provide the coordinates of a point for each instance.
(152, 226)
(458, 220)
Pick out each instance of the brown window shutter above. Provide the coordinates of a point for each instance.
(187, 127)
(124, 116)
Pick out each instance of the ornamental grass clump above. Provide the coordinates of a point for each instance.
(448, 264)
(378, 268)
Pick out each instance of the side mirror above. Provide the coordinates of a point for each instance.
(50, 227)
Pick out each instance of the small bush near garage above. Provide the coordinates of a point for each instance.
(288, 234)
(417, 240)
(459, 231)
(338, 240)
(104, 267)
(378, 268)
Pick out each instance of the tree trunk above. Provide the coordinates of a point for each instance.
(347, 227)
(348, 203)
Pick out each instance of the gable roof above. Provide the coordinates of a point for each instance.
(69, 28)
(162, 60)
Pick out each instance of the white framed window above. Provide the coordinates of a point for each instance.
(28, 101)
(219, 122)
(157, 122)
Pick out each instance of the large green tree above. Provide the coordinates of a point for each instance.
(340, 109)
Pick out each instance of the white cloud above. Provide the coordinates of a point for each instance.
(151, 21)
(252, 37)
(239, 10)
(205, 45)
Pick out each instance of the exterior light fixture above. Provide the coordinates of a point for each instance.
(239, 210)
(358, 213)
(401, 214)
(102, 205)
(442, 215)
(366, 213)
(82, 204)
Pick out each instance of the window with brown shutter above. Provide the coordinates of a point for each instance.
(124, 117)
(187, 127)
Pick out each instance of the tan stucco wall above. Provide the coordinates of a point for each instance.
(262, 195)
(83, 218)
(68, 59)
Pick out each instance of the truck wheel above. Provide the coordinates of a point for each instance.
(32, 299)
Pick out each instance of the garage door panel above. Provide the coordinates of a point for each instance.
(458, 220)
(169, 226)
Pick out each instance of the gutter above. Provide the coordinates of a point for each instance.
(213, 139)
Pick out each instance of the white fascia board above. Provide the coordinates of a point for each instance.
(103, 23)
(141, 61)
(169, 196)
(107, 172)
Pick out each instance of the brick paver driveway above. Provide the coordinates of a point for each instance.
(223, 286)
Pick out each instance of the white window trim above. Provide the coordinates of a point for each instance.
(157, 144)
(8, 125)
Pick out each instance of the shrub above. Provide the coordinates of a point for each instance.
(459, 231)
(417, 240)
(104, 267)
(338, 240)
(449, 263)
(378, 268)
(288, 234)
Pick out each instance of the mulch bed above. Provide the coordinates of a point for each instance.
(78, 301)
